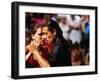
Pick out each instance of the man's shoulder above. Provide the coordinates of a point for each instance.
(62, 42)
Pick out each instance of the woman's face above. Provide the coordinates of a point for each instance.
(37, 35)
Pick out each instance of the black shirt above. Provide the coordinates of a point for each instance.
(60, 56)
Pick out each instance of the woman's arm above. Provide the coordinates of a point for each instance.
(41, 60)
(27, 56)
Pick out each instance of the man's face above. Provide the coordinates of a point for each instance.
(44, 32)
(50, 37)
(47, 35)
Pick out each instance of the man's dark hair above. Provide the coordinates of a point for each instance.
(54, 25)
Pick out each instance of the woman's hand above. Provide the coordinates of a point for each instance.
(31, 47)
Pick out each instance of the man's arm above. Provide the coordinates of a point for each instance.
(42, 61)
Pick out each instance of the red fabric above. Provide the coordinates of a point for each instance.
(33, 62)
(45, 51)
(50, 47)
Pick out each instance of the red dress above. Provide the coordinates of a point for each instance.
(31, 61)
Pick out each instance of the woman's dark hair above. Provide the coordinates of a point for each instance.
(34, 28)
(54, 25)
(27, 37)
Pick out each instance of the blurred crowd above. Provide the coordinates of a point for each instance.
(75, 28)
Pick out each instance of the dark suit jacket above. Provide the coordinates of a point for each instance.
(60, 56)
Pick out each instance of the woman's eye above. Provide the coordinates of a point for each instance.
(40, 34)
